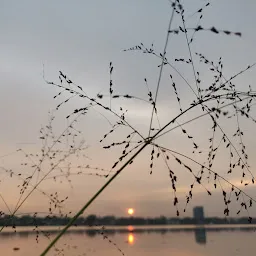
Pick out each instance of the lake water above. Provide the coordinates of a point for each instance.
(135, 241)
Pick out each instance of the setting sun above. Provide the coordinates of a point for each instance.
(130, 211)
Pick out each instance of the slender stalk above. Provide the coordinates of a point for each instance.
(72, 221)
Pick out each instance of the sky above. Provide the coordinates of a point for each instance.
(81, 38)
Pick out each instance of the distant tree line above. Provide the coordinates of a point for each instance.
(92, 220)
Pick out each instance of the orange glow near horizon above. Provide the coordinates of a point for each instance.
(130, 228)
(131, 239)
(130, 211)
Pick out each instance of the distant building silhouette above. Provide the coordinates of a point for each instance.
(199, 214)
(200, 233)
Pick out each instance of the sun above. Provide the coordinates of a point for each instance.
(130, 211)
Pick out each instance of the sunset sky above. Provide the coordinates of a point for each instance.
(81, 38)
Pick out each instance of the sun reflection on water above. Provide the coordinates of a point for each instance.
(131, 238)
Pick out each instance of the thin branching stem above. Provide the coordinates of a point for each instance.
(161, 67)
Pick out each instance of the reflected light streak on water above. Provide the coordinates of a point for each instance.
(131, 239)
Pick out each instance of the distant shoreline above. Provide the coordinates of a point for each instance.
(93, 220)
(129, 229)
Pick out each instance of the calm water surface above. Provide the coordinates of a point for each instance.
(135, 241)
